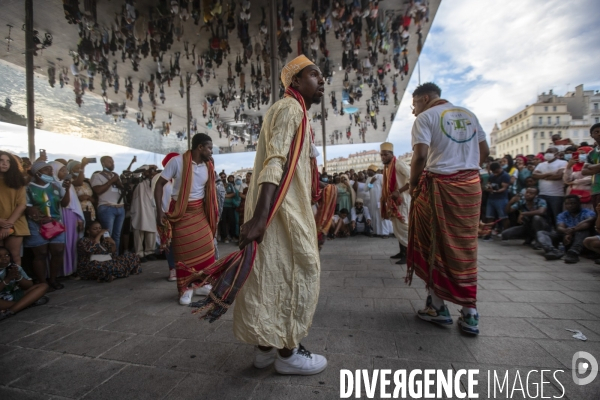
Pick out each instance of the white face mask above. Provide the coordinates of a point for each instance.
(549, 156)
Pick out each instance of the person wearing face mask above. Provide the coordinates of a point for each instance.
(550, 181)
(143, 215)
(45, 197)
(577, 184)
(111, 207)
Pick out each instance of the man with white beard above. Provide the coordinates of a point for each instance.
(375, 186)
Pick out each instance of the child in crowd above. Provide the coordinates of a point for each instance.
(17, 290)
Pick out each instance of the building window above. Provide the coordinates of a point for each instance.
(549, 120)
(527, 149)
(553, 108)
(542, 145)
(542, 135)
(557, 120)
(597, 120)
(595, 106)
(540, 121)
(527, 137)
(545, 108)
(575, 133)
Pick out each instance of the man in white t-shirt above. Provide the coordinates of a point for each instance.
(107, 185)
(449, 146)
(550, 181)
(193, 223)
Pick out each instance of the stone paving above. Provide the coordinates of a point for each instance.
(131, 340)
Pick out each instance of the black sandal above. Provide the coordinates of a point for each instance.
(42, 301)
(4, 314)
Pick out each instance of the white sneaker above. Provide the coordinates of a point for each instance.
(263, 359)
(203, 291)
(186, 298)
(172, 275)
(301, 362)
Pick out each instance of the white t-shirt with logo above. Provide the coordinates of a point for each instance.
(547, 187)
(453, 135)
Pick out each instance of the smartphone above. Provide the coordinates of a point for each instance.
(106, 235)
(42, 152)
(68, 177)
(91, 160)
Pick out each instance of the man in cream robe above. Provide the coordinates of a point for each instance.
(374, 185)
(402, 196)
(275, 307)
(143, 215)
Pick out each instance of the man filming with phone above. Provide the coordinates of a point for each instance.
(110, 191)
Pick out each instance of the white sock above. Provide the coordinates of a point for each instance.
(435, 300)
(469, 310)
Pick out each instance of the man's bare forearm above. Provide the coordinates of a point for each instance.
(265, 200)
(417, 166)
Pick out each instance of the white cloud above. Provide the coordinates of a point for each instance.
(494, 57)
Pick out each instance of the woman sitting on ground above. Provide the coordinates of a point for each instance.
(17, 290)
(98, 259)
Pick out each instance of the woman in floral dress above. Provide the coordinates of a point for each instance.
(98, 259)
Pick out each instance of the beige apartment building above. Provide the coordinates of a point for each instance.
(359, 161)
(530, 130)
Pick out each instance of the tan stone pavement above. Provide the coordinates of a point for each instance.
(131, 340)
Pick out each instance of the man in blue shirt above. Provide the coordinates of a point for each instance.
(573, 226)
(497, 187)
(532, 216)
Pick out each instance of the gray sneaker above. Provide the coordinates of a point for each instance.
(439, 316)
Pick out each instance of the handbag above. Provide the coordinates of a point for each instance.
(101, 257)
(584, 195)
(51, 229)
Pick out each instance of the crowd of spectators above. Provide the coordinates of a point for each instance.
(551, 200)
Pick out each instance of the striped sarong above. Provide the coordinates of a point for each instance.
(325, 213)
(192, 242)
(443, 224)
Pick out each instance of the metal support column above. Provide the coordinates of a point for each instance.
(29, 49)
(188, 78)
(324, 134)
(274, 60)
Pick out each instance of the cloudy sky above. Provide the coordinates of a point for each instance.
(491, 56)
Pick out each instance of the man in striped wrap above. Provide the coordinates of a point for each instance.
(190, 224)
(449, 145)
(275, 307)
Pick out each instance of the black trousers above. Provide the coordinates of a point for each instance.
(367, 231)
(528, 231)
(227, 226)
(551, 239)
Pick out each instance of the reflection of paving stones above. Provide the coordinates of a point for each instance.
(114, 337)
